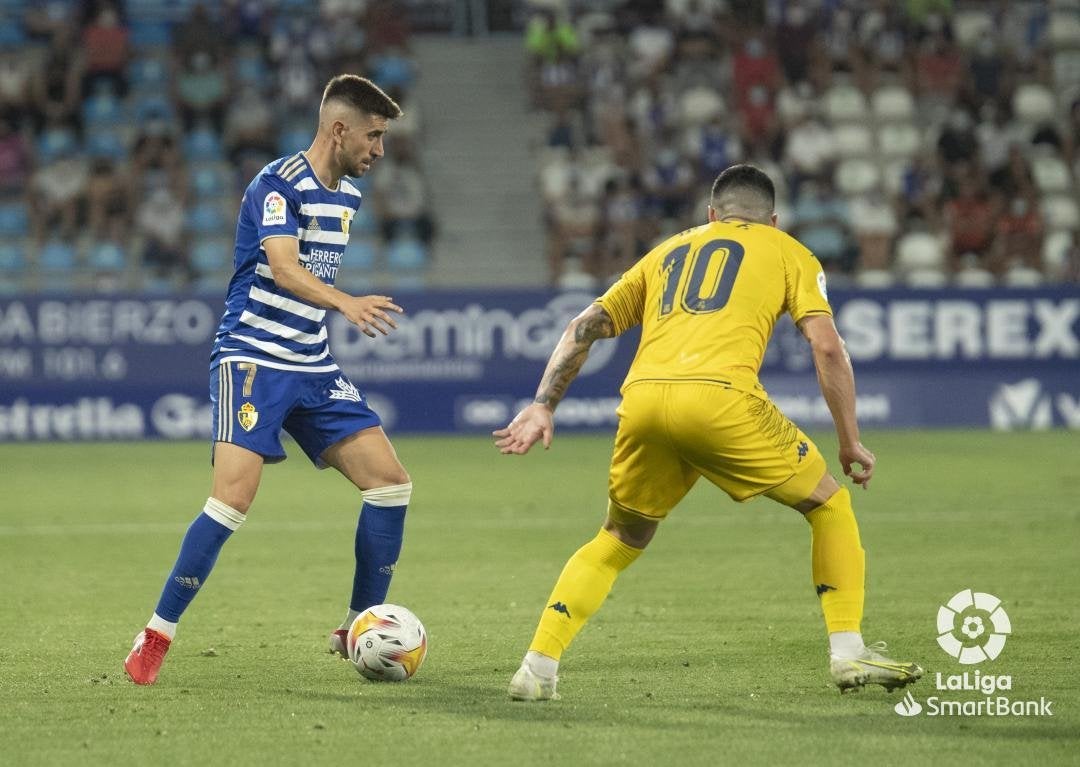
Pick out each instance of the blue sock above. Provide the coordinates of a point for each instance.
(198, 553)
(378, 544)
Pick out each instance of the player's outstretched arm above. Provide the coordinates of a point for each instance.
(837, 382)
(536, 422)
(369, 313)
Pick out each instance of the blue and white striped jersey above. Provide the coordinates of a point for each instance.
(264, 323)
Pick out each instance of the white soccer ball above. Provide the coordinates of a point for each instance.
(387, 643)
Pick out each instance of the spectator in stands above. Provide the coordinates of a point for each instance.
(58, 189)
(16, 160)
(669, 180)
(1014, 178)
(971, 219)
(199, 33)
(16, 79)
(1019, 235)
(156, 163)
(249, 126)
(794, 41)
(201, 91)
(938, 68)
(57, 85)
(810, 150)
(623, 229)
(107, 202)
(715, 146)
(576, 220)
(873, 222)
(159, 221)
(821, 223)
(402, 196)
(106, 50)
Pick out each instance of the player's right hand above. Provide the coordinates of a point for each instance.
(857, 454)
(532, 424)
(369, 313)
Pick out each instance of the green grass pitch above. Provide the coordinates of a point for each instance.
(711, 649)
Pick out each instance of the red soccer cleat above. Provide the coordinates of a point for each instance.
(339, 642)
(144, 660)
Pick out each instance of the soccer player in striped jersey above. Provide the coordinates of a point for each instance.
(707, 300)
(271, 368)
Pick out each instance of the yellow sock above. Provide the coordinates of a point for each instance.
(581, 589)
(838, 562)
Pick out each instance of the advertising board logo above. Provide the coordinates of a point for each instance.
(973, 626)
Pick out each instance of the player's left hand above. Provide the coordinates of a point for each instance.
(532, 424)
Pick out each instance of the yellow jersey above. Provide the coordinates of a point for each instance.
(708, 298)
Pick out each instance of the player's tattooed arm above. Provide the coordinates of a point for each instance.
(573, 348)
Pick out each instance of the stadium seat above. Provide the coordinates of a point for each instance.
(148, 74)
(107, 257)
(57, 256)
(1063, 31)
(973, 277)
(406, 254)
(1055, 251)
(153, 105)
(210, 179)
(970, 25)
(12, 257)
(211, 254)
(919, 251)
(1034, 104)
(102, 109)
(203, 143)
(875, 279)
(1059, 211)
(856, 176)
(293, 141)
(1050, 172)
(853, 140)
(14, 219)
(1022, 277)
(364, 223)
(893, 103)
(12, 34)
(1066, 68)
(250, 69)
(845, 103)
(207, 218)
(899, 140)
(55, 142)
(360, 254)
(149, 35)
(105, 143)
(928, 279)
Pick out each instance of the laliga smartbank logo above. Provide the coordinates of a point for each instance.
(972, 627)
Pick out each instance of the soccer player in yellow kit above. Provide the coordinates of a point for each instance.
(707, 300)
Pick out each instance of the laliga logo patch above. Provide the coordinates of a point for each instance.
(248, 416)
(345, 221)
(972, 627)
(821, 285)
(273, 209)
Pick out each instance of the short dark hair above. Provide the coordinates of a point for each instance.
(360, 93)
(744, 177)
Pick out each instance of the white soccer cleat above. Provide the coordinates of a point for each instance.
(339, 643)
(872, 667)
(528, 686)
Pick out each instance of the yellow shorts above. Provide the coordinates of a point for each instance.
(672, 433)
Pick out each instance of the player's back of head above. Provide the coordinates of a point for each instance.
(362, 94)
(744, 191)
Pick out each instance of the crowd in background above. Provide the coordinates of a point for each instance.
(128, 133)
(922, 142)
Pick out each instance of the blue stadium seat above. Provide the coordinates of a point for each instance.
(207, 218)
(149, 34)
(57, 256)
(55, 142)
(158, 284)
(203, 143)
(364, 222)
(11, 33)
(211, 254)
(148, 73)
(292, 141)
(107, 256)
(105, 143)
(14, 219)
(12, 257)
(102, 109)
(210, 179)
(153, 105)
(360, 253)
(251, 70)
(406, 254)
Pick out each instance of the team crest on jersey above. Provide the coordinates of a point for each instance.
(345, 221)
(248, 416)
(273, 209)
